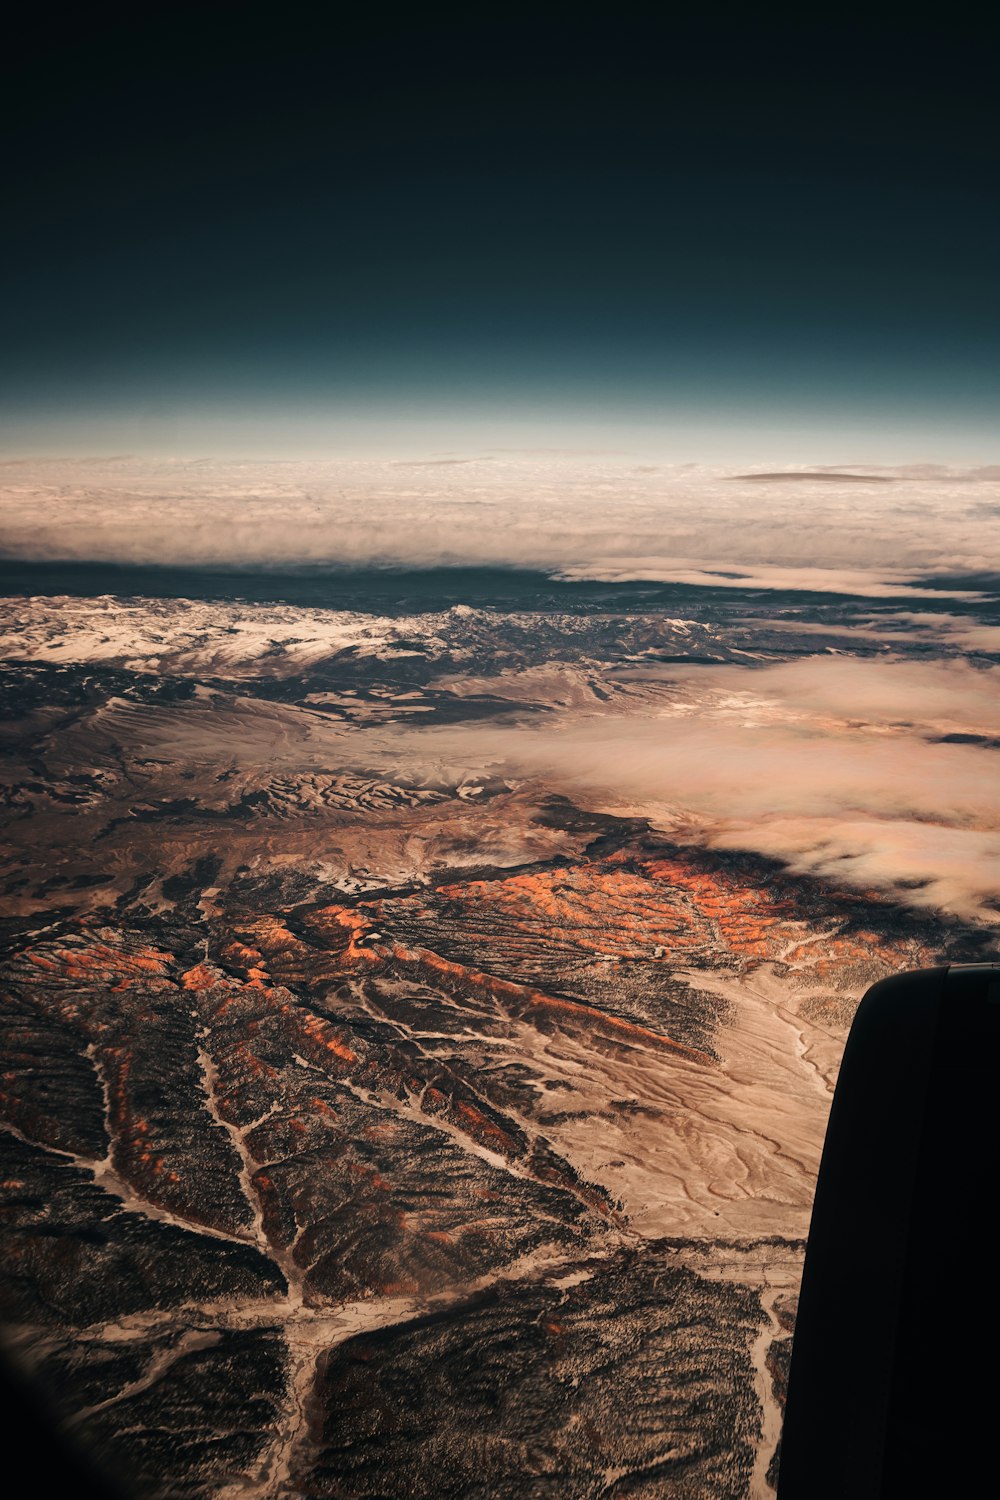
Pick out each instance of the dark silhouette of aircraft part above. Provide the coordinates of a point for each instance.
(899, 1312)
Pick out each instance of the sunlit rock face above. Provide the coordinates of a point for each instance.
(420, 1026)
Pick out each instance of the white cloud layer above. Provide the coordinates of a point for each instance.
(586, 516)
(898, 626)
(717, 573)
(842, 695)
(832, 765)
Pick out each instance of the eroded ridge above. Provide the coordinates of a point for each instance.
(273, 1150)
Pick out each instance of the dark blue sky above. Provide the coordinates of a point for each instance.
(789, 222)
